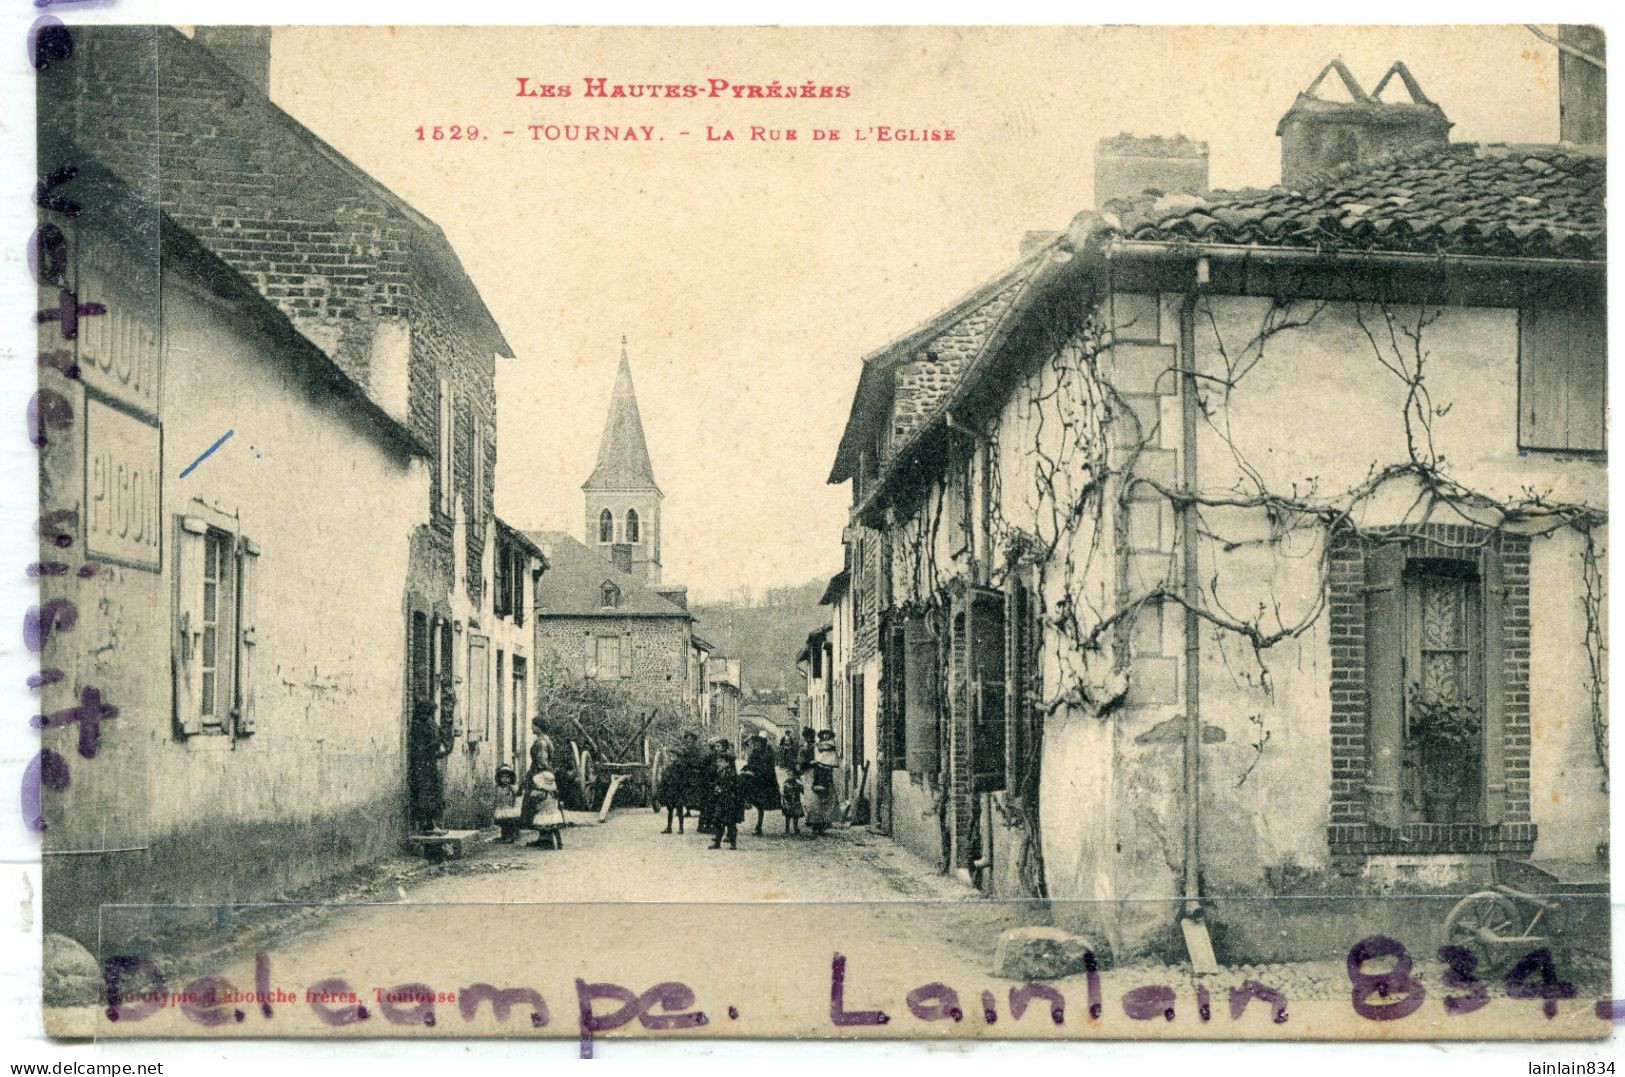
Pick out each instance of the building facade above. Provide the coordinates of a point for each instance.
(331, 329)
(1234, 547)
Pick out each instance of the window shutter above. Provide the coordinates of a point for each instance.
(921, 687)
(1495, 778)
(1384, 680)
(1017, 636)
(893, 739)
(187, 659)
(987, 690)
(248, 559)
(626, 656)
(589, 656)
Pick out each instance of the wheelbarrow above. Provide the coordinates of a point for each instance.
(1531, 907)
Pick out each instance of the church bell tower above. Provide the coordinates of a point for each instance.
(622, 498)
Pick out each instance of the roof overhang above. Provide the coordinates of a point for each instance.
(1093, 257)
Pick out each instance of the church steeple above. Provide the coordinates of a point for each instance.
(623, 455)
(622, 498)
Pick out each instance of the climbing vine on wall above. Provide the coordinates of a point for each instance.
(1064, 463)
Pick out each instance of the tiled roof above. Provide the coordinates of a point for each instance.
(1496, 200)
(572, 585)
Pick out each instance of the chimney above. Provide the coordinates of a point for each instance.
(1318, 135)
(675, 594)
(244, 49)
(1126, 167)
(1582, 86)
(620, 555)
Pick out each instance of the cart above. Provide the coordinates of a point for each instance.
(1533, 906)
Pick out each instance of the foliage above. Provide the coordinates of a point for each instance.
(609, 718)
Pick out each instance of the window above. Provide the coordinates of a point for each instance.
(1562, 379)
(608, 658)
(445, 476)
(632, 526)
(606, 526)
(502, 577)
(609, 596)
(214, 664)
(215, 635)
(1429, 692)
(978, 650)
(1023, 726)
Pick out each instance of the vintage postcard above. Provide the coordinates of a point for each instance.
(833, 532)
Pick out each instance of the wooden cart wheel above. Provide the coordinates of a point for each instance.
(1486, 910)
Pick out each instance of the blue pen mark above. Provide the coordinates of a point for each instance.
(207, 453)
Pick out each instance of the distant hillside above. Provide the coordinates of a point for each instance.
(765, 631)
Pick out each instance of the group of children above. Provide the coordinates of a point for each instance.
(531, 805)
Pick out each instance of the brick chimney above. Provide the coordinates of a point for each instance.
(1319, 135)
(1582, 87)
(1126, 166)
(244, 49)
(620, 555)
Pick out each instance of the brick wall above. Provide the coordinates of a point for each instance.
(328, 245)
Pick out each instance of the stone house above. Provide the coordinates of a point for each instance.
(1250, 544)
(602, 611)
(376, 328)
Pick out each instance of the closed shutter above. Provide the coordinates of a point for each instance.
(626, 655)
(1017, 701)
(920, 648)
(478, 714)
(987, 690)
(892, 737)
(1495, 777)
(187, 659)
(1384, 680)
(248, 559)
(1562, 378)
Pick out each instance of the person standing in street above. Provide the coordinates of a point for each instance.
(727, 807)
(822, 805)
(758, 781)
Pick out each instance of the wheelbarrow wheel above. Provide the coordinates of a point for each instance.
(1484, 912)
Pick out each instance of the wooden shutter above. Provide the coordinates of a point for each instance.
(248, 559)
(190, 534)
(1018, 641)
(625, 648)
(1384, 680)
(1562, 378)
(479, 688)
(986, 689)
(892, 740)
(920, 647)
(1494, 658)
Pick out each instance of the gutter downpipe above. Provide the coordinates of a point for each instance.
(1189, 591)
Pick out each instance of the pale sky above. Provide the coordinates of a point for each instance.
(750, 279)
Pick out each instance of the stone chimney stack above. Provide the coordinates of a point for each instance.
(1582, 87)
(244, 49)
(620, 555)
(1319, 135)
(1126, 166)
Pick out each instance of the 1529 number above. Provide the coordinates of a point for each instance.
(451, 133)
